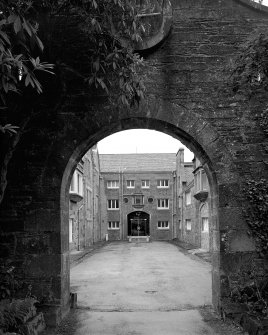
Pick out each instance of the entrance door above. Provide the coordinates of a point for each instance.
(138, 224)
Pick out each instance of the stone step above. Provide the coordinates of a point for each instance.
(138, 239)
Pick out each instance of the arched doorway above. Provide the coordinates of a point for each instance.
(138, 224)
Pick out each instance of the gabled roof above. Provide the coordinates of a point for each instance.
(165, 162)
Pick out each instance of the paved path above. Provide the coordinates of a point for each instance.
(146, 288)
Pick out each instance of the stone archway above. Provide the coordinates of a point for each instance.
(182, 102)
(178, 133)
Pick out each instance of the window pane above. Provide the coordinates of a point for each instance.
(72, 184)
(205, 224)
(204, 180)
(188, 224)
(188, 197)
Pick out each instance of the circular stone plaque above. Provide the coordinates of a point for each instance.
(155, 18)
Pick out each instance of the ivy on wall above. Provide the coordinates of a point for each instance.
(249, 79)
(257, 213)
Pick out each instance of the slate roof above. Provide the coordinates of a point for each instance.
(165, 162)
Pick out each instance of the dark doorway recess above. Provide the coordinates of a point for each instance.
(138, 224)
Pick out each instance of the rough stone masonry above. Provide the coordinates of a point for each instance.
(183, 99)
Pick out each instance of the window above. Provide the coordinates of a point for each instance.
(162, 203)
(162, 183)
(71, 223)
(145, 183)
(72, 188)
(201, 181)
(179, 224)
(163, 225)
(204, 227)
(77, 183)
(130, 183)
(150, 200)
(188, 224)
(138, 200)
(112, 184)
(204, 181)
(188, 199)
(179, 201)
(113, 204)
(113, 225)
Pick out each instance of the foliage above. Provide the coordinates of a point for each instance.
(18, 39)
(8, 282)
(110, 25)
(252, 291)
(250, 68)
(14, 314)
(257, 213)
(112, 28)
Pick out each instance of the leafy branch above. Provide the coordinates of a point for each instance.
(256, 213)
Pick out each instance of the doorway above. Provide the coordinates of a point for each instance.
(138, 224)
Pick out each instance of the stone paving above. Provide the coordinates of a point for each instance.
(145, 288)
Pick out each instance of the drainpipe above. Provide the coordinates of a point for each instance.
(121, 191)
(122, 200)
(173, 202)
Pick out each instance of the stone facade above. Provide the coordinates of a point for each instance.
(143, 185)
(193, 212)
(84, 208)
(184, 77)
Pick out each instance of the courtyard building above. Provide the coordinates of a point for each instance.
(138, 195)
(84, 205)
(193, 199)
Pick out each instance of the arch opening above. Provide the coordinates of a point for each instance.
(161, 225)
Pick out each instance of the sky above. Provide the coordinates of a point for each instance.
(265, 2)
(142, 141)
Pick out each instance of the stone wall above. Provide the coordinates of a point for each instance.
(183, 99)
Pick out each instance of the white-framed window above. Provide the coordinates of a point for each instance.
(162, 183)
(112, 184)
(145, 183)
(138, 200)
(163, 225)
(188, 224)
(77, 183)
(113, 204)
(72, 187)
(71, 223)
(179, 201)
(162, 203)
(188, 198)
(204, 225)
(130, 183)
(113, 225)
(201, 181)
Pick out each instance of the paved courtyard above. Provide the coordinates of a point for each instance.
(145, 288)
